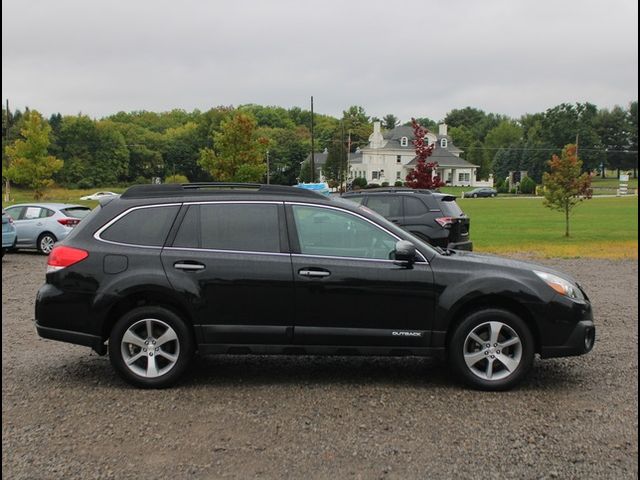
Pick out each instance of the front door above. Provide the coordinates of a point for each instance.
(348, 291)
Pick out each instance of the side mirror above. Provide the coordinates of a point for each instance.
(405, 254)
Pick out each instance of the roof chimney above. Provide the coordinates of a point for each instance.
(442, 129)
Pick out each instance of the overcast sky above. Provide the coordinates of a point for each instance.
(408, 58)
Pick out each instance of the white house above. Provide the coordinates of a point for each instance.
(390, 156)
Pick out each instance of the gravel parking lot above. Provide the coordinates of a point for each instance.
(67, 415)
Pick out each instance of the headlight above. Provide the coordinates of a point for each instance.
(560, 285)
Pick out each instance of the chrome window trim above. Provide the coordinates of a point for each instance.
(215, 250)
(349, 212)
(98, 232)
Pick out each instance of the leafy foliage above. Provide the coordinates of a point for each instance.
(422, 176)
(238, 155)
(29, 162)
(564, 186)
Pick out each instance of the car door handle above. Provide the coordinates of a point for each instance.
(313, 273)
(188, 266)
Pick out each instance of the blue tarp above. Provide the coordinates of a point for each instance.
(316, 187)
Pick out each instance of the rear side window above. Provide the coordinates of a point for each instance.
(144, 226)
(355, 198)
(450, 208)
(414, 207)
(237, 227)
(386, 205)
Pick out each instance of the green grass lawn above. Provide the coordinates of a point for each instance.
(601, 227)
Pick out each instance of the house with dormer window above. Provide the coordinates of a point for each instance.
(390, 156)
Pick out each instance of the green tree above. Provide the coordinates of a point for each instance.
(389, 121)
(564, 186)
(238, 154)
(29, 161)
(614, 129)
(336, 166)
(506, 134)
(633, 138)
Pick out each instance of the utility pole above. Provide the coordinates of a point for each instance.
(313, 163)
(267, 167)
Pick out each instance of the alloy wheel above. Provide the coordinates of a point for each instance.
(150, 348)
(492, 351)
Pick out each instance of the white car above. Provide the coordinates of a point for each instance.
(97, 196)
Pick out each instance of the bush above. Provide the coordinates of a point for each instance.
(372, 185)
(359, 182)
(527, 185)
(502, 186)
(399, 183)
(141, 181)
(176, 179)
(385, 184)
(85, 183)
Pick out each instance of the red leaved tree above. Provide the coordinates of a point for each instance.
(422, 176)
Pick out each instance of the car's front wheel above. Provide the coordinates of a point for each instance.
(151, 347)
(492, 349)
(46, 241)
(475, 195)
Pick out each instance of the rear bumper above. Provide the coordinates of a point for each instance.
(580, 341)
(68, 336)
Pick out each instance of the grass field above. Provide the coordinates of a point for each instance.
(600, 228)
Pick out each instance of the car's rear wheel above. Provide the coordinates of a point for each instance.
(151, 347)
(46, 241)
(492, 349)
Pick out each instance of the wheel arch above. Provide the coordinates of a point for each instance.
(492, 301)
(146, 298)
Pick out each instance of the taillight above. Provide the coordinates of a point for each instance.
(69, 222)
(63, 257)
(444, 222)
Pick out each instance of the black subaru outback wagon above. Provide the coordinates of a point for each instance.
(163, 271)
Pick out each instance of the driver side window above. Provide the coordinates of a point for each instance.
(323, 231)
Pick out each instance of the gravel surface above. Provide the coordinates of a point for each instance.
(67, 415)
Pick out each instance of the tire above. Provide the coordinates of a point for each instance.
(493, 195)
(475, 195)
(491, 367)
(161, 365)
(46, 242)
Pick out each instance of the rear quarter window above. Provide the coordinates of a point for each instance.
(450, 208)
(147, 226)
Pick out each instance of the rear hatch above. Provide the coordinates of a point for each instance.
(460, 223)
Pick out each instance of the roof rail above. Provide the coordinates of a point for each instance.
(203, 188)
(391, 190)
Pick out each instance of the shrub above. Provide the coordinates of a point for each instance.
(527, 185)
(385, 184)
(176, 179)
(359, 182)
(502, 186)
(399, 183)
(372, 185)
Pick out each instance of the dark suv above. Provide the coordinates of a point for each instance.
(163, 271)
(432, 216)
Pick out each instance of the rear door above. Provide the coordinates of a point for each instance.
(387, 205)
(232, 261)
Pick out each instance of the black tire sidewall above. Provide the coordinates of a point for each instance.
(185, 339)
(456, 345)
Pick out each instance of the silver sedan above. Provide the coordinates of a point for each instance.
(41, 225)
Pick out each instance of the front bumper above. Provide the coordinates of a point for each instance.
(580, 341)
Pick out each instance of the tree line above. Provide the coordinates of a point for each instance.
(229, 143)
